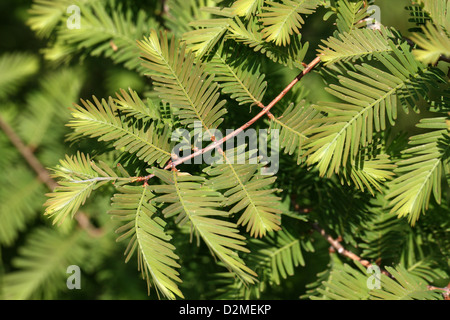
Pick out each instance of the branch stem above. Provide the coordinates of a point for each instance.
(43, 174)
(28, 155)
(265, 110)
(339, 248)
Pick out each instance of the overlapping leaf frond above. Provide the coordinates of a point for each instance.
(228, 287)
(192, 202)
(384, 235)
(390, 240)
(101, 33)
(350, 283)
(368, 172)
(370, 97)
(182, 12)
(292, 124)
(417, 16)
(101, 120)
(15, 68)
(249, 192)
(112, 35)
(79, 176)
(242, 81)
(417, 262)
(45, 15)
(247, 8)
(360, 43)
(437, 229)
(248, 33)
(274, 258)
(433, 36)
(132, 106)
(403, 286)
(185, 85)
(208, 33)
(343, 209)
(438, 11)
(311, 288)
(278, 255)
(434, 43)
(156, 258)
(351, 16)
(344, 283)
(42, 264)
(281, 20)
(425, 163)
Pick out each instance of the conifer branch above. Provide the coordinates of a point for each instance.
(265, 110)
(199, 55)
(335, 243)
(339, 248)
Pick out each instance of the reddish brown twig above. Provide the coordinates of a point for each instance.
(346, 253)
(43, 174)
(165, 7)
(339, 248)
(28, 155)
(335, 243)
(265, 110)
(445, 291)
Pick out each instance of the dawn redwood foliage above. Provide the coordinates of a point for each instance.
(365, 171)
